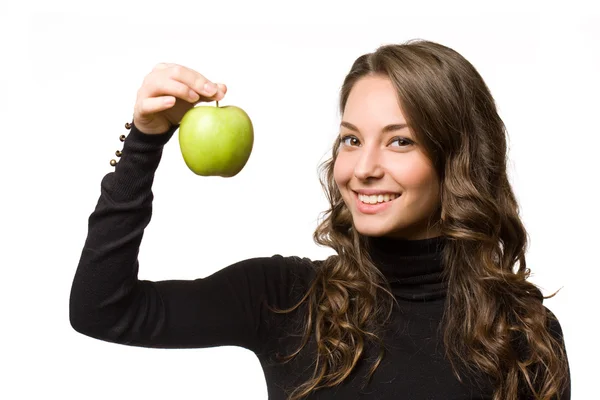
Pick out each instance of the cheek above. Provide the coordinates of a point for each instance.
(420, 180)
(340, 172)
(416, 175)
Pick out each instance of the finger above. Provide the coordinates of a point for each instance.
(218, 94)
(160, 66)
(153, 105)
(222, 91)
(165, 86)
(193, 79)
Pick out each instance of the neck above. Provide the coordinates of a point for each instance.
(413, 268)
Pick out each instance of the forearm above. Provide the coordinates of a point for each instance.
(105, 286)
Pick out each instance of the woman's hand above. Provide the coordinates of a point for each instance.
(167, 93)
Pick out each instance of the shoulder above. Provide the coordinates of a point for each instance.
(553, 325)
(290, 271)
(275, 277)
(279, 267)
(555, 329)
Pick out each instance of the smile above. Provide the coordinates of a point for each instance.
(374, 199)
(375, 203)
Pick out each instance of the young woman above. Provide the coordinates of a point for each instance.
(427, 296)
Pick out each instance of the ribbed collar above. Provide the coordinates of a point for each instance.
(412, 267)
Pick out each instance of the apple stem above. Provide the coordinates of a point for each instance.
(217, 103)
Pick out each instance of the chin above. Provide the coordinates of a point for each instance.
(377, 230)
(372, 230)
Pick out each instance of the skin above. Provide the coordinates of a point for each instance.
(389, 161)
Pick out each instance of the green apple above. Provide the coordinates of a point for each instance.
(216, 141)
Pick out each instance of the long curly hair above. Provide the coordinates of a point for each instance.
(494, 320)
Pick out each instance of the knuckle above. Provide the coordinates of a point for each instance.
(176, 69)
(199, 84)
(161, 66)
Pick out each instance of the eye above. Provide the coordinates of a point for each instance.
(403, 141)
(407, 142)
(344, 138)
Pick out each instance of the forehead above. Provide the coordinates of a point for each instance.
(373, 98)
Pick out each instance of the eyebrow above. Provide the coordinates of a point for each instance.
(387, 128)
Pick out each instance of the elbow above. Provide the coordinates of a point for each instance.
(78, 321)
(81, 317)
(82, 323)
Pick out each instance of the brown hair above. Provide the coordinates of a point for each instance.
(494, 320)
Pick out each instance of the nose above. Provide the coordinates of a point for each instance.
(368, 164)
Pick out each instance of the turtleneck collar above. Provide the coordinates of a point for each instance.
(412, 267)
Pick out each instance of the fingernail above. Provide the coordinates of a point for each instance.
(209, 87)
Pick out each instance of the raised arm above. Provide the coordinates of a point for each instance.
(109, 302)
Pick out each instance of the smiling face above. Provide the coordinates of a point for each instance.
(379, 154)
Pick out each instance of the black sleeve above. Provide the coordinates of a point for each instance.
(109, 302)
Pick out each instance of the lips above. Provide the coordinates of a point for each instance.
(367, 208)
(370, 192)
(367, 192)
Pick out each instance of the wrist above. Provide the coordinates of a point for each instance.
(137, 140)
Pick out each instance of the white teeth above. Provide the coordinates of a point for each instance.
(374, 199)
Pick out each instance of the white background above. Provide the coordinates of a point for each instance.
(69, 76)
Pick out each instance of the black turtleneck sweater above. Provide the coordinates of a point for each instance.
(110, 303)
